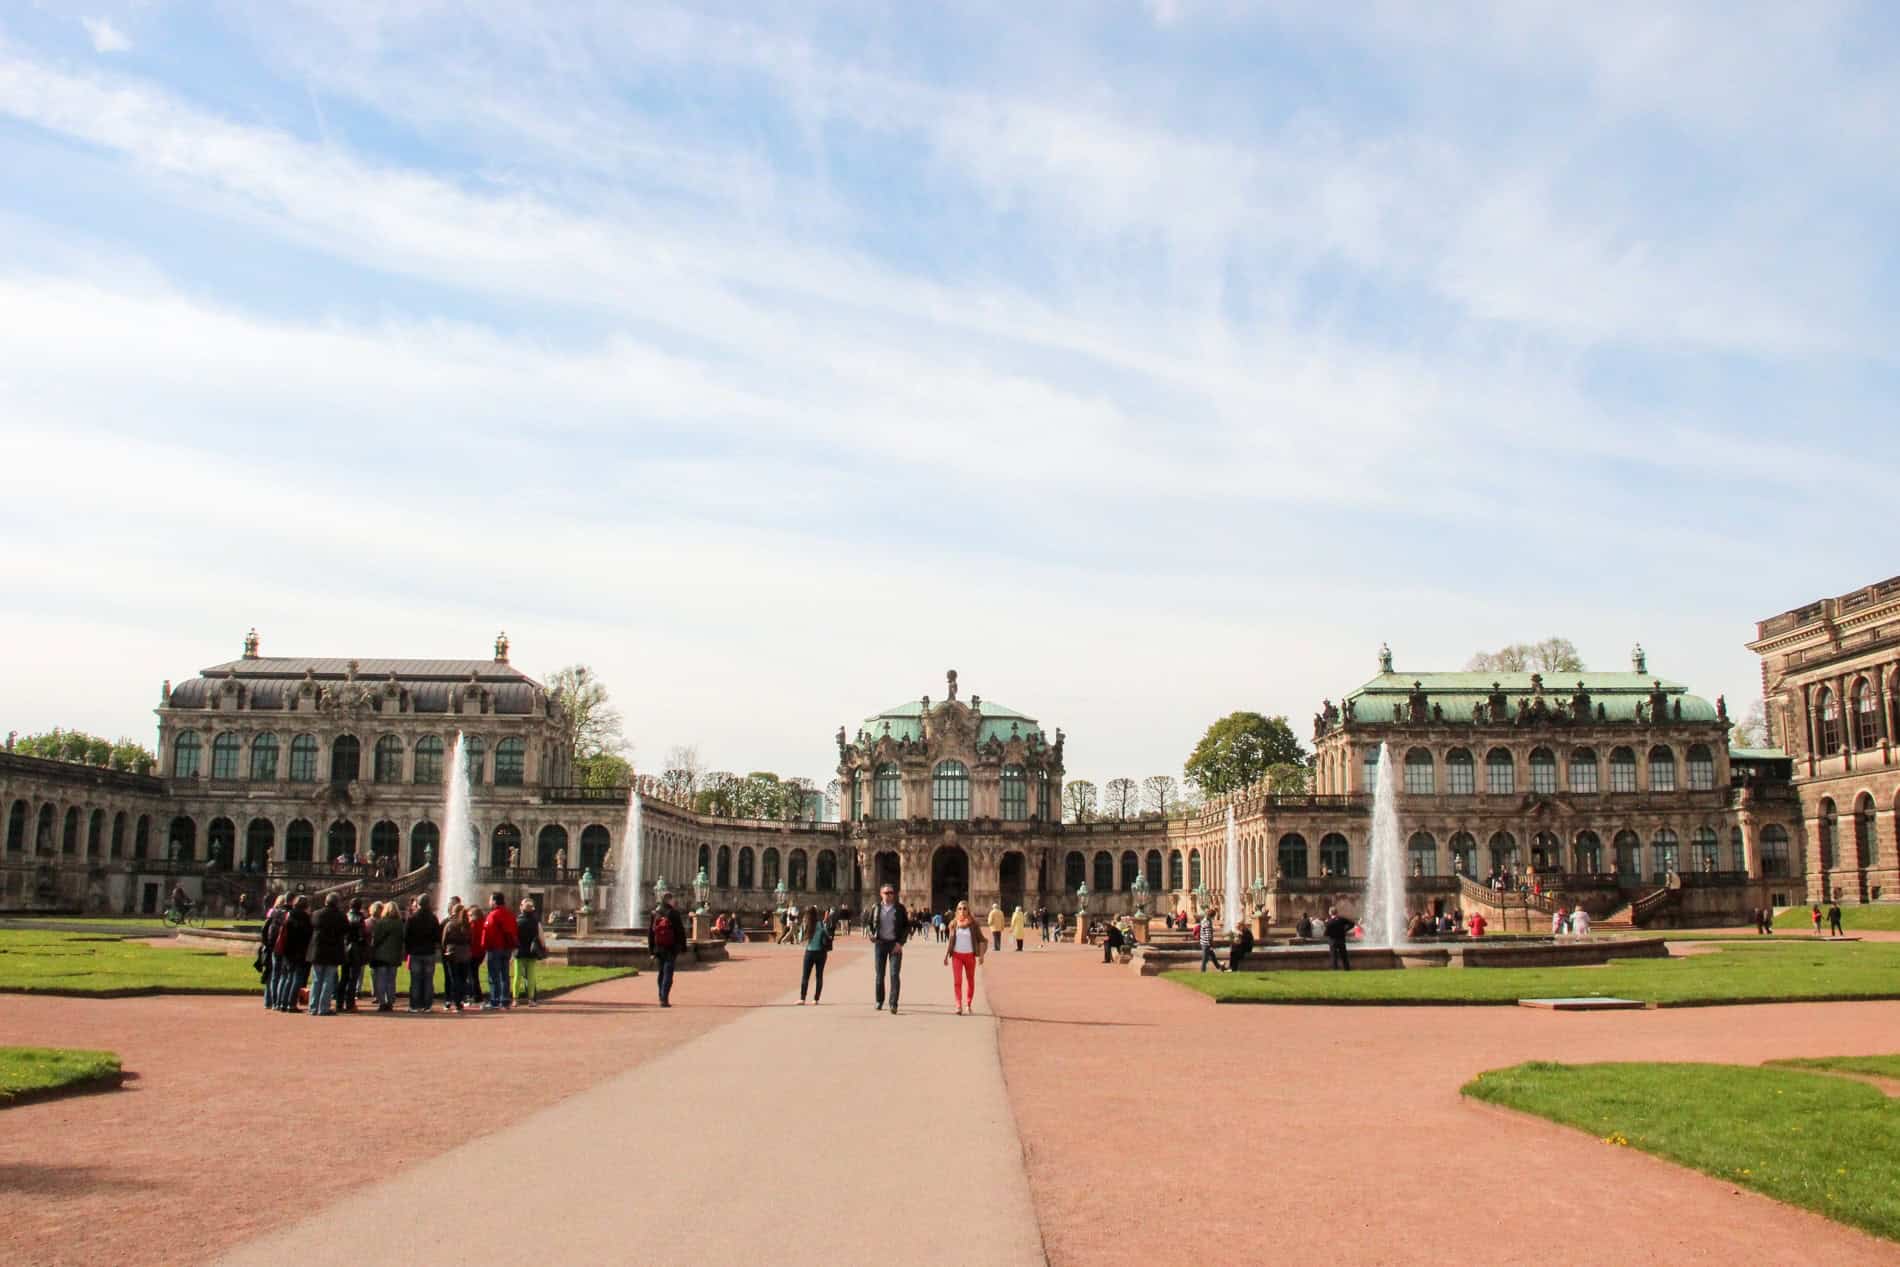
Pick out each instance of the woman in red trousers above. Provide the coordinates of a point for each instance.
(965, 950)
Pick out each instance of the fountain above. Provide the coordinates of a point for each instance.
(628, 877)
(1384, 914)
(1231, 913)
(456, 869)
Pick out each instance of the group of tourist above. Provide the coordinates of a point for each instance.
(1814, 913)
(328, 953)
(1574, 921)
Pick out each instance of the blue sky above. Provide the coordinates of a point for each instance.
(1140, 361)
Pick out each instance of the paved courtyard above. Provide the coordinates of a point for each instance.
(1091, 1118)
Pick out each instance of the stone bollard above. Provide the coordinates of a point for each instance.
(584, 923)
(1141, 930)
(702, 926)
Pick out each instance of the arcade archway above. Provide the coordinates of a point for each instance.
(949, 878)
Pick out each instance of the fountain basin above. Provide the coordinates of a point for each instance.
(1514, 952)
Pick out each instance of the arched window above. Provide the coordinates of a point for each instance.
(259, 837)
(596, 840)
(475, 752)
(1042, 796)
(1503, 852)
(1701, 768)
(346, 759)
(1421, 854)
(221, 843)
(1622, 770)
(1292, 855)
(1104, 878)
(1587, 854)
(389, 759)
(1194, 870)
(950, 792)
(1737, 849)
(549, 844)
(705, 861)
(300, 841)
(1866, 844)
(1131, 867)
(43, 832)
(796, 878)
(1774, 850)
(429, 760)
(264, 759)
(1866, 716)
(118, 835)
(1664, 854)
(1335, 854)
(1543, 772)
(385, 840)
(1418, 773)
(425, 844)
(504, 847)
(1015, 794)
(224, 756)
(1829, 707)
(69, 838)
(1074, 871)
(1629, 855)
(1662, 769)
(16, 828)
(722, 878)
(186, 750)
(95, 834)
(1500, 772)
(1369, 777)
(768, 869)
(887, 793)
(1583, 771)
(1464, 853)
(341, 841)
(827, 871)
(184, 839)
(1461, 773)
(1151, 866)
(1176, 879)
(746, 876)
(1705, 850)
(1547, 852)
(511, 757)
(142, 837)
(303, 759)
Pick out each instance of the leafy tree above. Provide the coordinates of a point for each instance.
(1161, 794)
(1078, 800)
(1290, 779)
(1753, 730)
(834, 798)
(715, 795)
(603, 769)
(684, 769)
(1551, 655)
(591, 715)
(81, 748)
(1238, 750)
(1121, 798)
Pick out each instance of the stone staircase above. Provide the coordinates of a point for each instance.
(377, 888)
(1640, 910)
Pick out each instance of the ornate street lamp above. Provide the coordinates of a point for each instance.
(587, 889)
(702, 891)
(781, 895)
(1201, 902)
(1082, 898)
(1140, 889)
(1259, 895)
(659, 890)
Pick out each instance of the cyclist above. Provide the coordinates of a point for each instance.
(181, 903)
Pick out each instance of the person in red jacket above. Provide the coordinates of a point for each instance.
(500, 937)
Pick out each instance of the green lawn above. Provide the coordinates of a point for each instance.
(1878, 1066)
(1826, 1144)
(1877, 917)
(30, 1070)
(1737, 973)
(103, 963)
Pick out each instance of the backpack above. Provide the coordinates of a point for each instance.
(664, 935)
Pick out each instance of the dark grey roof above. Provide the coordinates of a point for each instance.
(268, 680)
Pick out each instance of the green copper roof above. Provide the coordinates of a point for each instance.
(1617, 693)
(1757, 754)
(906, 722)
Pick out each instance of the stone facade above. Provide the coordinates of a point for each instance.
(1830, 676)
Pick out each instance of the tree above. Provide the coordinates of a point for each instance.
(834, 798)
(603, 769)
(683, 769)
(1121, 798)
(1753, 731)
(1078, 800)
(1238, 750)
(1551, 655)
(81, 748)
(1290, 779)
(1161, 793)
(715, 795)
(591, 716)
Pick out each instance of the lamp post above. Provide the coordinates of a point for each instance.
(1200, 901)
(702, 891)
(659, 890)
(781, 910)
(1259, 895)
(1140, 889)
(1082, 913)
(588, 885)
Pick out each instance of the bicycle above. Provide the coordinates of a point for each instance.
(175, 918)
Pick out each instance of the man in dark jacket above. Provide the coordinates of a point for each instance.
(423, 940)
(500, 939)
(355, 957)
(293, 953)
(888, 926)
(328, 949)
(1241, 947)
(665, 939)
(1338, 928)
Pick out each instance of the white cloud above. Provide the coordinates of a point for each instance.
(105, 37)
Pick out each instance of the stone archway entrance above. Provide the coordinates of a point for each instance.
(1010, 874)
(949, 878)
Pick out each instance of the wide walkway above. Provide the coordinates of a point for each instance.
(792, 1135)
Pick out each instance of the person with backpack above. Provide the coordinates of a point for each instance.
(267, 947)
(665, 940)
(422, 939)
(531, 949)
(500, 938)
(386, 937)
(355, 957)
(293, 950)
(816, 933)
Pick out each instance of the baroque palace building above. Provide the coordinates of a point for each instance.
(1618, 790)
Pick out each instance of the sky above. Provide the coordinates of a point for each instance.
(1140, 361)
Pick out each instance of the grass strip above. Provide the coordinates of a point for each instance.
(1876, 1066)
(30, 1073)
(1875, 917)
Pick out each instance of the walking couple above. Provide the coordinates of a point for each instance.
(890, 928)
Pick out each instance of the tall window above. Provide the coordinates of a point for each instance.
(389, 759)
(768, 869)
(1103, 880)
(511, 756)
(1293, 856)
(264, 759)
(1421, 854)
(1738, 849)
(1866, 717)
(1042, 796)
(300, 840)
(1622, 770)
(1662, 769)
(303, 759)
(186, 750)
(224, 756)
(1705, 851)
(950, 792)
(1372, 770)
(1543, 772)
(1500, 772)
(796, 867)
(745, 867)
(1583, 771)
(258, 839)
(1464, 853)
(1131, 867)
(1460, 773)
(887, 792)
(475, 752)
(1335, 855)
(1503, 851)
(346, 759)
(1418, 773)
(1864, 839)
(504, 847)
(1829, 828)
(1175, 879)
(1074, 872)
(429, 759)
(827, 871)
(1015, 794)
(1664, 854)
(385, 840)
(1830, 710)
(1629, 855)
(1152, 866)
(722, 875)
(425, 842)
(1701, 768)
(1194, 869)
(1774, 850)
(1588, 853)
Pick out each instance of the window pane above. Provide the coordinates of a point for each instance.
(1015, 794)
(1583, 772)
(428, 759)
(303, 759)
(510, 761)
(1500, 773)
(1418, 773)
(264, 758)
(1543, 772)
(1622, 771)
(224, 756)
(1662, 770)
(1460, 774)
(887, 793)
(950, 792)
(185, 752)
